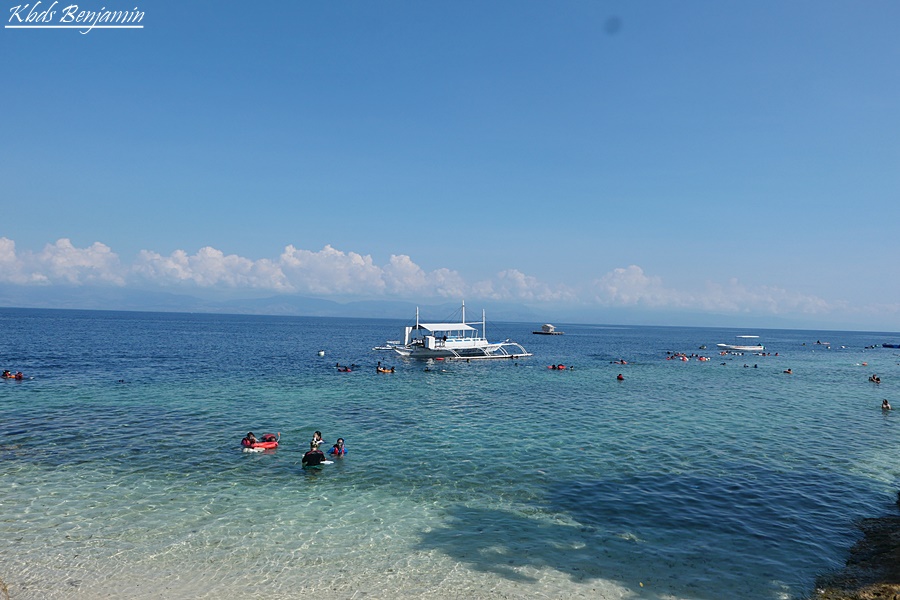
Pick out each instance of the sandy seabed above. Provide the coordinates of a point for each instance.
(398, 583)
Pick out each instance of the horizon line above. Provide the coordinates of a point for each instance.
(395, 318)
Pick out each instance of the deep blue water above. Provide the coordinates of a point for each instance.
(120, 460)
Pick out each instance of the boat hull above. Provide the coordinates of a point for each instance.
(481, 352)
(737, 348)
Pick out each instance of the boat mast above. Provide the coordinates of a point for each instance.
(464, 312)
(483, 325)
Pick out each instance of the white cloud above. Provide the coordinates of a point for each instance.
(404, 277)
(631, 287)
(210, 267)
(736, 297)
(447, 283)
(10, 265)
(513, 285)
(401, 274)
(332, 272)
(60, 263)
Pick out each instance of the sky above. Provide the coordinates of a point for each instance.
(696, 161)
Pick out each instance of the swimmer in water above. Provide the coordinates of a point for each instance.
(314, 457)
(338, 449)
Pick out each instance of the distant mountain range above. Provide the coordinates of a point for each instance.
(114, 298)
(111, 298)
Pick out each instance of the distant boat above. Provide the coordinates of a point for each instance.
(745, 347)
(547, 329)
(388, 345)
(890, 345)
(454, 341)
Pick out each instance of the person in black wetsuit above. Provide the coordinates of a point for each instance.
(314, 457)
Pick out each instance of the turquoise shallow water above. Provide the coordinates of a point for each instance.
(122, 475)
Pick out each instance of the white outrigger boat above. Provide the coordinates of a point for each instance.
(746, 347)
(454, 341)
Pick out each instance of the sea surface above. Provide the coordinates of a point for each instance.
(122, 475)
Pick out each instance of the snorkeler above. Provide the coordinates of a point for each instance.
(314, 457)
(338, 449)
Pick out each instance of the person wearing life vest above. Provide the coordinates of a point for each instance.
(338, 449)
(249, 440)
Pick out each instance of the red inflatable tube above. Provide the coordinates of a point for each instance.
(269, 441)
(265, 445)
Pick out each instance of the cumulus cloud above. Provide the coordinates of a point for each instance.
(515, 285)
(60, 263)
(402, 274)
(209, 268)
(10, 265)
(331, 271)
(631, 287)
(768, 299)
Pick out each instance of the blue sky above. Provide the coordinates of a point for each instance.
(712, 159)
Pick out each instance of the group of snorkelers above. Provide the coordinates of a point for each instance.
(315, 457)
(349, 368)
(9, 375)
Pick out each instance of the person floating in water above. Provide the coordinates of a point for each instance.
(317, 439)
(620, 377)
(789, 372)
(338, 449)
(875, 378)
(249, 439)
(885, 405)
(314, 457)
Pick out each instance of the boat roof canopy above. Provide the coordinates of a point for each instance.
(446, 327)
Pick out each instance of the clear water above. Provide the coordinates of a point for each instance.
(122, 476)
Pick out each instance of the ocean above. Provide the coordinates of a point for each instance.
(122, 474)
